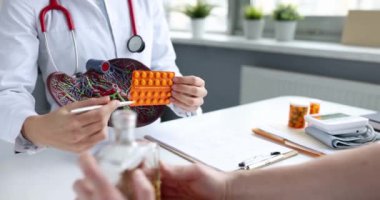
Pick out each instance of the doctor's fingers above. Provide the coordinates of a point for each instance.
(187, 100)
(90, 141)
(189, 80)
(190, 90)
(90, 130)
(183, 106)
(99, 114)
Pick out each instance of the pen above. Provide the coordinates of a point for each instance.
(85, 109)
(290, 144)
(248, 161)
(272, 160)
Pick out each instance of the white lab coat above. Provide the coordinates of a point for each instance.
(22, 49)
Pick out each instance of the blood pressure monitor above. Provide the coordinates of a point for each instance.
(337, 123)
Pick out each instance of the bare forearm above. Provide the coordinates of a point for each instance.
(348, 175)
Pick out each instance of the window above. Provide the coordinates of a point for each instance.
(320, 7)
(324, 19)
(216, 22)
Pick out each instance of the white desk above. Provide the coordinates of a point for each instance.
(50, 174)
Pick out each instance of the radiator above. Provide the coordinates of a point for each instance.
(260, 83)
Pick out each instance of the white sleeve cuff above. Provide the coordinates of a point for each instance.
(23, 145)
(181, 113)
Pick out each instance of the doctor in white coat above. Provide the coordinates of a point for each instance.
(102, 29)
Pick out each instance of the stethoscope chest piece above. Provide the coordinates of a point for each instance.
(136, 44)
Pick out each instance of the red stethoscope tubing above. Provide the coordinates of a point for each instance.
(132, 17)
(54, 5)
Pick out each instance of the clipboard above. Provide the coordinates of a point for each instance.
(220, 149)
(177, 152)
(252, 166)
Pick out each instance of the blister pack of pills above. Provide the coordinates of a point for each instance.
(150, 88)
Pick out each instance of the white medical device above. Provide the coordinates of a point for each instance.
(338, 123)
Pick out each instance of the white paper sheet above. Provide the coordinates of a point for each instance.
(222, 149)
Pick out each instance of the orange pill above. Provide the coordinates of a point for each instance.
(169, 94)
(165, 75)
(150, 82)
(149, 94)
(148, 101)
(164, 83)
(170, 82)
(163, 94)
(151, 75)
(136, 82)
(167, 101)
(157, 83)
(161, 101)
(143, 82)
(136, 74)
(156, 94)
(142, 94)
(144, 74)
(134, 95)
(141, 101)
(171, 75)
(158, 74)
(154, 101)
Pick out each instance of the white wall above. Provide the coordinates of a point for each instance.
(260, 83)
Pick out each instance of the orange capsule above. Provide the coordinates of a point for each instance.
(157, 82)
(141, 101)
(134, 95)
(165, 75)
(151, 75)
(143, 82)
(167, 101)
(149, 94)
(156, 95)
(163, 95)
(148, 101)
(158, 74)
(136, 82)
(136, 74)
(143, 74)
(171, 75)
(154, 101)
(169, 94)
(142, 94)
(161, 101)
(150, 82)
(170, 82)
(164, 83)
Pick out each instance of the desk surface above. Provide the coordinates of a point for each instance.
(50, 174)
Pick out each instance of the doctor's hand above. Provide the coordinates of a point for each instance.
(96, 187)
(193, 182)
(71, 132)
(188, 92)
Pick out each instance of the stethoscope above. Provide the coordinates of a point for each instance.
(135, 43)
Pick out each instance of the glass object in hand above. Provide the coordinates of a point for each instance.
(121, 157)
